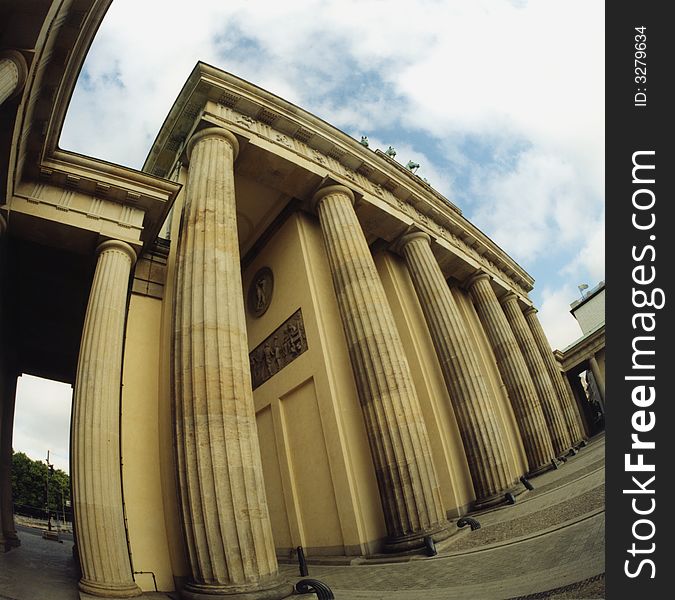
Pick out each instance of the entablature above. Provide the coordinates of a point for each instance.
(44, 181)
(260, 117)
(581, 350)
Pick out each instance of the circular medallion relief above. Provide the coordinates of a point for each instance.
(260, 292)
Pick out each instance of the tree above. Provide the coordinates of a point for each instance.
(29, 483)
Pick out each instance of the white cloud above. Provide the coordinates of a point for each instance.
(591, 257)
(524, 81)
(539, 206)
(554, 314)
(42, 420)
(457, 66)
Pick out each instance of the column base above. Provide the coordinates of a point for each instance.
(415, 541)
(498, 498)
(274, 591)
(108, 590)
(10, 540)
(488, 501)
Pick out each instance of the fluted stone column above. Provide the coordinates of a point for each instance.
(481, 433)
(96, 480)
(8, 535)
(577, 403)
(542, 382)
(222, 494)
(572, 418)
(13, 72)
(599, 378)
(516, 377)
(398, 437)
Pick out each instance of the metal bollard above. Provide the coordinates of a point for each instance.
(526, 482)
(302, 562)
(430, 545)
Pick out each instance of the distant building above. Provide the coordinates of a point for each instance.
(587, 356)
(589, 311)
(277, 336)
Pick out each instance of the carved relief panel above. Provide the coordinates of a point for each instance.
(280, 348)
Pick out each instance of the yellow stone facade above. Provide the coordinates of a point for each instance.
(314, 347)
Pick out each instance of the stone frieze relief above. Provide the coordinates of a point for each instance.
(279, 349)
(427, 222)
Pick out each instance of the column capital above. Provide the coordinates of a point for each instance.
(507, 298)
(21, 65)
(406, 238)
(321, 193)
(530, 310)
(478, 276)
(117, 245)
(214, 132)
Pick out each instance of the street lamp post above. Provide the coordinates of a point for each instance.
(63, 512)
(50, 470)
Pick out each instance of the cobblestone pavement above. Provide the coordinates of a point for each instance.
(38, 569)
(589, 588)
(533, 522)
(550, 544)
(561, 557)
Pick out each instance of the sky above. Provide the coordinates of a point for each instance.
(42, 420)
(501, 102)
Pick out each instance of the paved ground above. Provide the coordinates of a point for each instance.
(38, 569)
(550, 544)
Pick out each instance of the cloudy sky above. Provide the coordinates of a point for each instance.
(500, 101)
(42, 420)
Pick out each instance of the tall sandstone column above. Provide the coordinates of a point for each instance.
(222, 495)
(481, 433)
(8, 378)
(576, 399)
(599, 378)
(516, 377)
(398, 438)
(8, 534)
(542, 382)
(572, 418)
(13, 72)
(96, 479)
